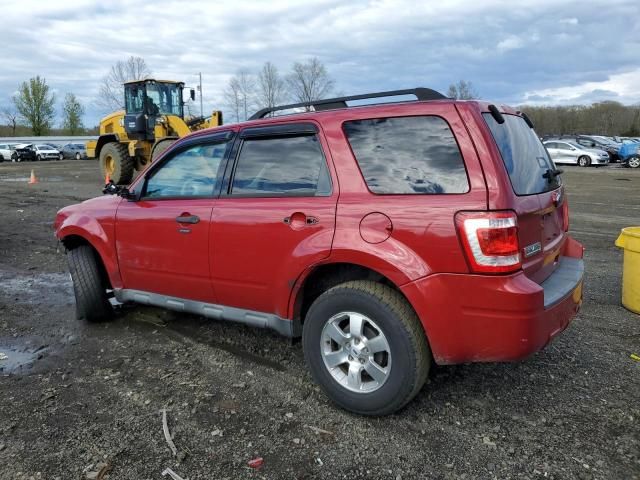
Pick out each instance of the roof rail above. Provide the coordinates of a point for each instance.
(341, 102)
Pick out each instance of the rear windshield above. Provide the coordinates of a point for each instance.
(524, 156)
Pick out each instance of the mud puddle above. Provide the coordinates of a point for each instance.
(37, 289)
(20, 360)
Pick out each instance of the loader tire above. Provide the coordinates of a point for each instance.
(161, 146)
(116, 162)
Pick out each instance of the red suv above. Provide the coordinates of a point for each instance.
(389, 236)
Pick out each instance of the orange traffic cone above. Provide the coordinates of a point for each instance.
(107, 180)
(33, 178)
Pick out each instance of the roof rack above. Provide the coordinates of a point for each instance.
(421, 94)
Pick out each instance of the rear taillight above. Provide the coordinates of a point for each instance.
(565, 215)
(490, 241)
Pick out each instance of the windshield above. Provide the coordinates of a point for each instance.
(524, 156)
(166, 97)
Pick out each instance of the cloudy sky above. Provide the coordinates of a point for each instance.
(530, 51)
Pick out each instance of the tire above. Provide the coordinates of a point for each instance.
(77, 156)
(89, 286)
(406, 356)
(584, 161)
(38, 158)
(160, 147)
(60, 157)
(633, 162)
(1, 159)
(115, 161)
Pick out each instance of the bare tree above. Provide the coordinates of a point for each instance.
(35, 104)
(72, 111)
(309, 81)
(239, 96)
(271, 87)
(463, 90)
(11, 115)
(111, 94)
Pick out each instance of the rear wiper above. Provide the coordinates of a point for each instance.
(550, 174)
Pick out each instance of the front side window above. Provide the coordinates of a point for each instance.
(281, 166)
(408, 155)
(193, 172)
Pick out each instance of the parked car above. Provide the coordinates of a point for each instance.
(630, 154)
(602, 143)
(24, 152)
(6, 150)
(575, 154)
(387, 236)
(74, 150)
(47, 152)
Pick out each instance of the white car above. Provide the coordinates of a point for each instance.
(573, 153)
(6, 149)
(47, 152)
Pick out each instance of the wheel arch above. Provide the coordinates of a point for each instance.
(321, 277)
(72, 237)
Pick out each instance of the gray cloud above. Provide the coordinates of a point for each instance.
(511, 53)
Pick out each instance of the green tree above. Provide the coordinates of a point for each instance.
(72, 111)
(35, 103)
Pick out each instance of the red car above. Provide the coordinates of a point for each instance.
(389, 236)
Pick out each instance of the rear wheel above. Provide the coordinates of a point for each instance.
(77, 156)
(633, 162)
(116, 162)
(365, 346)
(584, 161)
(89, 285)
(38, 158)
(1, 159)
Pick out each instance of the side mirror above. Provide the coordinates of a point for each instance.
(192, 94)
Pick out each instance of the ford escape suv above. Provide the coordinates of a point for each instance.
(388, 236)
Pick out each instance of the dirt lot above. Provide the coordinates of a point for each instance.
(74, 395)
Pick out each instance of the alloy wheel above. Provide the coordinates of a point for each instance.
(356, 352)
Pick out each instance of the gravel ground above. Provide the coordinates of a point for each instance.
(79, 400)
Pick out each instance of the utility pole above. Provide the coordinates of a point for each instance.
(200, 88)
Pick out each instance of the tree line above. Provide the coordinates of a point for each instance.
(34, 106)
(603, 118)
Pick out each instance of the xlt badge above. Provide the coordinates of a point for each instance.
(532, 249)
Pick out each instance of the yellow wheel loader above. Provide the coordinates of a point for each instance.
(152, 120)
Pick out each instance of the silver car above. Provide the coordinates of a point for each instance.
(573, 153)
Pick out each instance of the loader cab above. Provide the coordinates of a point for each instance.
(145, 101)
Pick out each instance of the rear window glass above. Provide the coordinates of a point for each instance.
(408, 155)
(524, 156)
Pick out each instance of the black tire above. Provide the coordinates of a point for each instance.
(115, 161)
(89, 285)
(633, 162)
(38, 158)
(78, 156)
(584, 161)
(161, 146)
(408, 346)
(60, 157)
(1, 159)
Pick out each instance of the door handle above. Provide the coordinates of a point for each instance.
(299, 219)
(188, 219)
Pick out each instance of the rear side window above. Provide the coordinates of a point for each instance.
(408, 155)
(280, 167)
(524, 156)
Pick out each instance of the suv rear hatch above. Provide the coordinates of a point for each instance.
(538, 200)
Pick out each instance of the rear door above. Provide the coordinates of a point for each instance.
(537, 194)
(162, 240)
(276, 218)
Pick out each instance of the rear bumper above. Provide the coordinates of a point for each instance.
(481, 318)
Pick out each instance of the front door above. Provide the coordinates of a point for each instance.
(276, 218)
(162, 240)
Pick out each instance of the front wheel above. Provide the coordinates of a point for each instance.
(633, 162)
(584, 161)
(366, 347)
(89, 285)
(116, 163)
(77, 156)
(38, 158)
